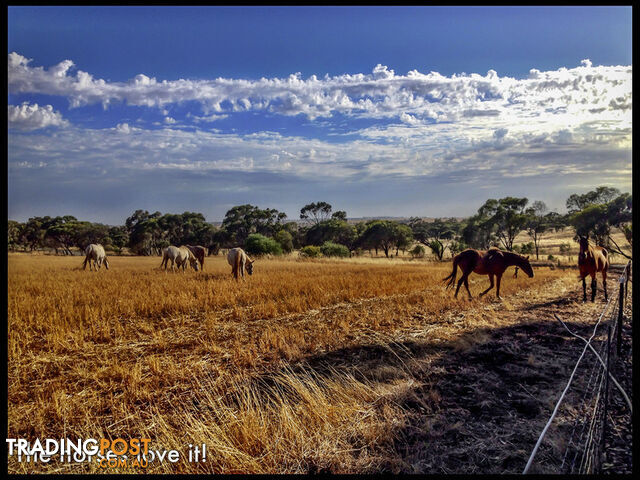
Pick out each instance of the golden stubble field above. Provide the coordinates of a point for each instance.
(307, 366)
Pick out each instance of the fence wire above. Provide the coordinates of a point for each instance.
(586, 441)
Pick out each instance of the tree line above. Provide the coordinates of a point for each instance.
(321, 230)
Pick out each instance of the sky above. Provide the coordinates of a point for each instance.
(380, 111)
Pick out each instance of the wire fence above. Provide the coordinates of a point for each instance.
(584, 451)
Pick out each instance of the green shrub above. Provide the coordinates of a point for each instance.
(310, 251)
(257, 244)
(330, 249)
(417, 251)
(285, 239)
(524, 248)
(565, 248)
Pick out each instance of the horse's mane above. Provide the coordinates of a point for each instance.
(514, 256)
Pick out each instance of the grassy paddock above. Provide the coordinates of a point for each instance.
(198, 358)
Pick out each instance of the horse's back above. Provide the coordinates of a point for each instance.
(234, 255)
(95, 250)
(198, 251)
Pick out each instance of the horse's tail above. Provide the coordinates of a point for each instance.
(452, 277)
(238, 263)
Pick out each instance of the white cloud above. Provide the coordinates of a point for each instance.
(207, 118)
(587, 91)
(416, 150)
(562, 123)
(123, 128)
(32, 117)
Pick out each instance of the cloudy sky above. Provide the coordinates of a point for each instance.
(379, 111)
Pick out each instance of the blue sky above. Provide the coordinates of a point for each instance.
(396, 111)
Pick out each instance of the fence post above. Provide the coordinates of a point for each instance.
(626, 283)
(606, 403)
(620, 309)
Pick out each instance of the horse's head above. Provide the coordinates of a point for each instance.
(249, 266)
(584, 242)
(106, 263)
(526, 266)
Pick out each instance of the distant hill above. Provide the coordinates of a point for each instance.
(354, 220)
(396, 219)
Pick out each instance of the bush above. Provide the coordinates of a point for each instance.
(417, 251)
(285, 239)
(330, 249)
(257, 244)
(310, 251)
(565, 248)
(457, 247)
(524, 248)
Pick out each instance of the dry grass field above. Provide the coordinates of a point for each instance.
(342, 366)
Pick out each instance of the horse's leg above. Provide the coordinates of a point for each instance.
(604, 285)
(498, 279)
(594, 287)
(466, 285)
(490, 286)
(460, 282)
(84, 264)
(584, 289)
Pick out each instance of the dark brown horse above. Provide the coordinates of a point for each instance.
(199, 252)
(493, 262)
(592, 260)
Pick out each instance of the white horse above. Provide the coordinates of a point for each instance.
(239, 260)
(95, 253)
(179, 257)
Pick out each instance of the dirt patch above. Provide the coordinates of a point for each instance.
(481, 399)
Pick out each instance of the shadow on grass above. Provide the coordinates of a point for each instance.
(476, 404)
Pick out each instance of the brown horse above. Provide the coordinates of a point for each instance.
(199, 252)
(592, 260)
(493, 262)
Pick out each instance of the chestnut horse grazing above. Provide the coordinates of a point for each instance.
(592, 260)
(492, 262)
(199, 252)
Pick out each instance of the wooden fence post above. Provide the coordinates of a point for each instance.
(606, 403)
(620, 309)
(626, 283)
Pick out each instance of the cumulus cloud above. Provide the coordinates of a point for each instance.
(379, 94)
(33, 117)
(206, 118)
(562, 124)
